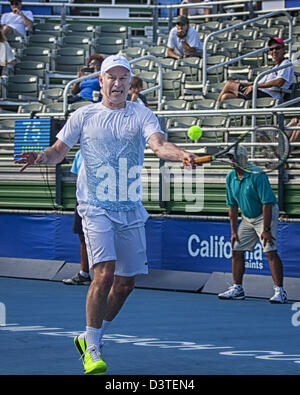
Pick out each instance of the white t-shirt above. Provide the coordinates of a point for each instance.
(287, 74)
(6, 53)
(16, 22)
(191, 38)
(112, 144)
(195, 11)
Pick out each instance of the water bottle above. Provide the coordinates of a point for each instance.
(95, 96)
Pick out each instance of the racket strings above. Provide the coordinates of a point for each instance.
(272, 150)
(264, 150)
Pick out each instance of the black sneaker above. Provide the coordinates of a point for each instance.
(78, 280)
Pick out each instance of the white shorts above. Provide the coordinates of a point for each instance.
(250, 230)
(116, 236)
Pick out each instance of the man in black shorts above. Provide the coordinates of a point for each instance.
(270, 84)
(83, 277)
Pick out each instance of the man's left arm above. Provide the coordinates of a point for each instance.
(27, 21)
(267, 198)
(188, 49)
(266, 235)
(191, 43)
(169, 151)
(278, 83)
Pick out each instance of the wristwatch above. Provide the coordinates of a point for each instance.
(267, 228)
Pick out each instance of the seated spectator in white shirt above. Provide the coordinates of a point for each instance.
(16, 21)
(183, 40)
(270, 84)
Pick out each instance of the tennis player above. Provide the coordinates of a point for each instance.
(113, 135)
(252, 193)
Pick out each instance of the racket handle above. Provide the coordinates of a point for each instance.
(203, 159)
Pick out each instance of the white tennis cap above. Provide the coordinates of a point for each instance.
(114, 61)
(239, 151)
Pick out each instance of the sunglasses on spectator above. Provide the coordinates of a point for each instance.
(275, 48)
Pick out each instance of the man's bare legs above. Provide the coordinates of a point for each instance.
(230, 90)
(275, 264)
(276, 269)
(106, 294)
(238, 266)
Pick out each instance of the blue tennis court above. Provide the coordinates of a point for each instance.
(157, 333)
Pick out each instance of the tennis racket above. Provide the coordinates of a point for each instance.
(266, 149)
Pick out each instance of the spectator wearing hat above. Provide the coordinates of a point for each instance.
(16, 21)
(183, 40)
(270, 84)
(253, 195)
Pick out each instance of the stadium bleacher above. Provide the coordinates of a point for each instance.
(55, 49)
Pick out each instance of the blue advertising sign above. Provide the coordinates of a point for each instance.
(172, 244)
(203, 246)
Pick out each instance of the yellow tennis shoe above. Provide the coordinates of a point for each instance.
(91, 358)
(92, 362)
(80, 345)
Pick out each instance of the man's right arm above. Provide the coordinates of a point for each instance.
(172, 54)
(171, 46)
(233, 218)
(50, 156)
(56, 153)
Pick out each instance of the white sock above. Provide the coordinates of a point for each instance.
(92, 337)
(84, 274)
(105, 325)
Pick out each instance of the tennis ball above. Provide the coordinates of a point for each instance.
(194, 132)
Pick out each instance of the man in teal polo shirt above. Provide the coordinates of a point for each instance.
(252, 193)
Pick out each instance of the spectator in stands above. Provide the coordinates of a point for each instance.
(194, 11)
(136, 86)
(7, 58)
(294, 135)
(16, 21)
(84, 90)
(252, 193)
(83, 277)
(270, 84)
(183, 40)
